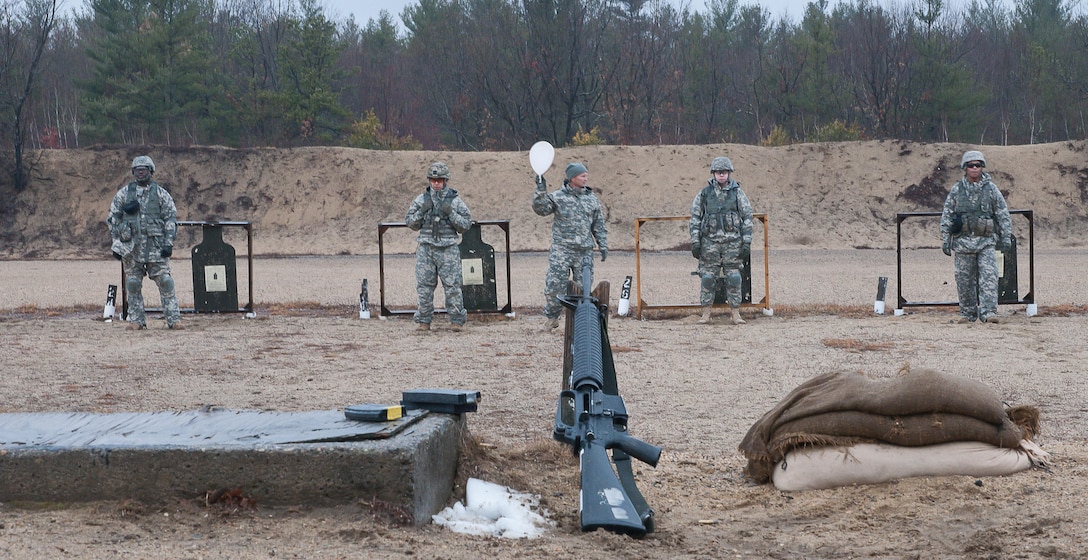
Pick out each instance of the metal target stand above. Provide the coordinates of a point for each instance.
(1028, 299)
(247, 308)
(764, 304)
(385, 311)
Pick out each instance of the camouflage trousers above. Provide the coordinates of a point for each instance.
(159, 272)
(562, 261)
(432, 264)
(976, 283)
(723, 258)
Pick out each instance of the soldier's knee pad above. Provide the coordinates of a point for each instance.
(166, 283)
(708, 282)
(133, 284)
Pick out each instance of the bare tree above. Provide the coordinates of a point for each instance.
(875, 47)
(56, 114)
(646, 91)
(24, 36)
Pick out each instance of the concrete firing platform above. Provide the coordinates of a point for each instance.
(277, 458)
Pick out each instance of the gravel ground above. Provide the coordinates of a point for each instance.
(692, 389)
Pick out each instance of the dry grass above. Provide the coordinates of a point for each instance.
(506, 465)
(316, 309)
(833, 309)
(1063, 310)
(31, 311)
(855, 345)
(302, 309)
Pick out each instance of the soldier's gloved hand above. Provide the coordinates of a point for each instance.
(745, 251)
(946, 246)
(167, 251)
(1004, 243)
(541, 184)
(427, 205)
(604, 255)
(131, 207)
(696, 250)
(446, 208)
(117, 255)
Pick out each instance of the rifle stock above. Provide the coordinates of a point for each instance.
(603, 501)
(594, 421)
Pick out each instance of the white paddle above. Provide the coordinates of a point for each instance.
(541, 156)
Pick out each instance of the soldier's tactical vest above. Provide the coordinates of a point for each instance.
(150, 221)
(721, 212)
(440, 228)
(977, 219)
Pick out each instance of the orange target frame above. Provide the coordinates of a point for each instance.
(764, 304)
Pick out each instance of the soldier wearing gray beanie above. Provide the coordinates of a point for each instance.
(579, 224)
(575, 169)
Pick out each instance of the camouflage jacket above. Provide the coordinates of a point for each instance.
(720, 214)
(143, 235)
(579, 219)
(435, 227)
(983, 215)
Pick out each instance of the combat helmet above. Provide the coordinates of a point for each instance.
(439, 170)
(143, 161)
(972, 155)
(721, 163)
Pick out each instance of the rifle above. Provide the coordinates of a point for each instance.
(592, 418)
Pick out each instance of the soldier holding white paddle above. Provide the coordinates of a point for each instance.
(578, 226)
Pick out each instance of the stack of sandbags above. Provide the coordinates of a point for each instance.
(844, 428)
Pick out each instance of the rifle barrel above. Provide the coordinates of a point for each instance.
(587, 356)
(587, 360)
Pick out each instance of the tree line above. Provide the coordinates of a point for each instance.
(502, 74)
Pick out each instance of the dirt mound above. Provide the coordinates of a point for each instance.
(329, 201)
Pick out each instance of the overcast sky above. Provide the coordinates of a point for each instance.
(368, 9)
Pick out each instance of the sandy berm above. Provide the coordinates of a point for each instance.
(693, 389)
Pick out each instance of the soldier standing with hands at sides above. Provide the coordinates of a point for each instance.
(143, 224)
(440, 217)
(974, 223)
(721, 237)
(578, 226)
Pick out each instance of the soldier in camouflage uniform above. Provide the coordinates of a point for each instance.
(143, 224)
(974, 223)
(577, 226)
(721, 237)
(440, 217)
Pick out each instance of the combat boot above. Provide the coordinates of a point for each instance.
(551, 324)
(457, 327)
(176, 327)
(423, 327)
(706, 316)
(136, 326)
(736, 317)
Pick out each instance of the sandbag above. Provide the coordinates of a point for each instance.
(917, 408)
(912, 430)
(872, 463)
